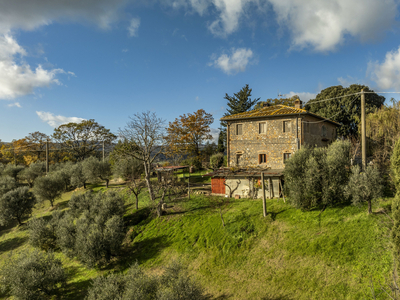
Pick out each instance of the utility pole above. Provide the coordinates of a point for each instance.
(47, 156)
(103, 151)
(363, 134)
(263, 194)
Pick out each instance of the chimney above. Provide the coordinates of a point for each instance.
(298, 104)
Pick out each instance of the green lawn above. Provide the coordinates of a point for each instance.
(290, 254)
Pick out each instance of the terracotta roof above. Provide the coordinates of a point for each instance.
(269, 111)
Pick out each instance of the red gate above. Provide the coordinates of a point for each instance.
(217, 185)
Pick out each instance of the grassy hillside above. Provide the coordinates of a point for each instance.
(290, 254)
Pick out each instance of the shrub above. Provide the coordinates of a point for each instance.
(395, 165)
(396, 229)
(16, 204)
(48, 187)
(32, 275)
(217, 161)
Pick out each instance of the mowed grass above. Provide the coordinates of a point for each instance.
(290, 254)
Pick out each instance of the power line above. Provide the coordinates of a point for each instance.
(328, 119)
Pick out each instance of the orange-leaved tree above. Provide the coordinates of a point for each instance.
(188, 132)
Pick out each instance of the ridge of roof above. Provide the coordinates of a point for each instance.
(273, 110)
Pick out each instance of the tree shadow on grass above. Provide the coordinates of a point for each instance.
(142, 215)
(276, 298)
(75, 290)
(12, 244)
(274, 214)
(140, 251)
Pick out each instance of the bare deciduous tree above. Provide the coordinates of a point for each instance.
(142, 138)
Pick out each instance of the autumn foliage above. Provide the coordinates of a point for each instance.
(188, 132)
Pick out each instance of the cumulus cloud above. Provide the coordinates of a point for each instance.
(19, 79)
(14, 104)
(234, 63)
(31, 14)
(323, 25)
(304, 96)
(214, 133)
(55, 121)
(387, 74)
(134, 27)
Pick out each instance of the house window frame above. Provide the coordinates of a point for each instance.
(237, 128)
(238, 155)
(260, 126)
(262, 158)
(286, 156)
(285, 128)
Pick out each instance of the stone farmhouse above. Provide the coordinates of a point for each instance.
(259, 141)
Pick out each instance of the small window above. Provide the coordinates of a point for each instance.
(286, 156)
(287, 126)
(238, 129)
(238, 158)
(262, 158)
(323, 129)
(262, 128)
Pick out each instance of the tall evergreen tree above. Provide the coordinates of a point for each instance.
(238, 103)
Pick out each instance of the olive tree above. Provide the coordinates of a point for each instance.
(95, 170)
(32, 172)
(32, 275)
(13, 171)
(7, 183)
(78, 178)
(49, 188)
(16, 204)
(318, 176)
(364, 186)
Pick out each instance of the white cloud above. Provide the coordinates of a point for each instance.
(134, 26)
(386, 74)
(19, 79)
(55, 121)
(214, 133)
(230, 13)
(323, 25)
(304, 96)
(234, 63)
(14, 104)
(125, 50)
(31, 14)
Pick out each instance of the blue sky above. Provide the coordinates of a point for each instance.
(63, 61)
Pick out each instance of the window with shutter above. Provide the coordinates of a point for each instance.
(262, 128)
(238, 129)
(287, 126)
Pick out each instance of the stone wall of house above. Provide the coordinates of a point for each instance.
(315, 135)
(245, 149)
(247, 189)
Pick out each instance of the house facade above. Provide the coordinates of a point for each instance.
(264, 138)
